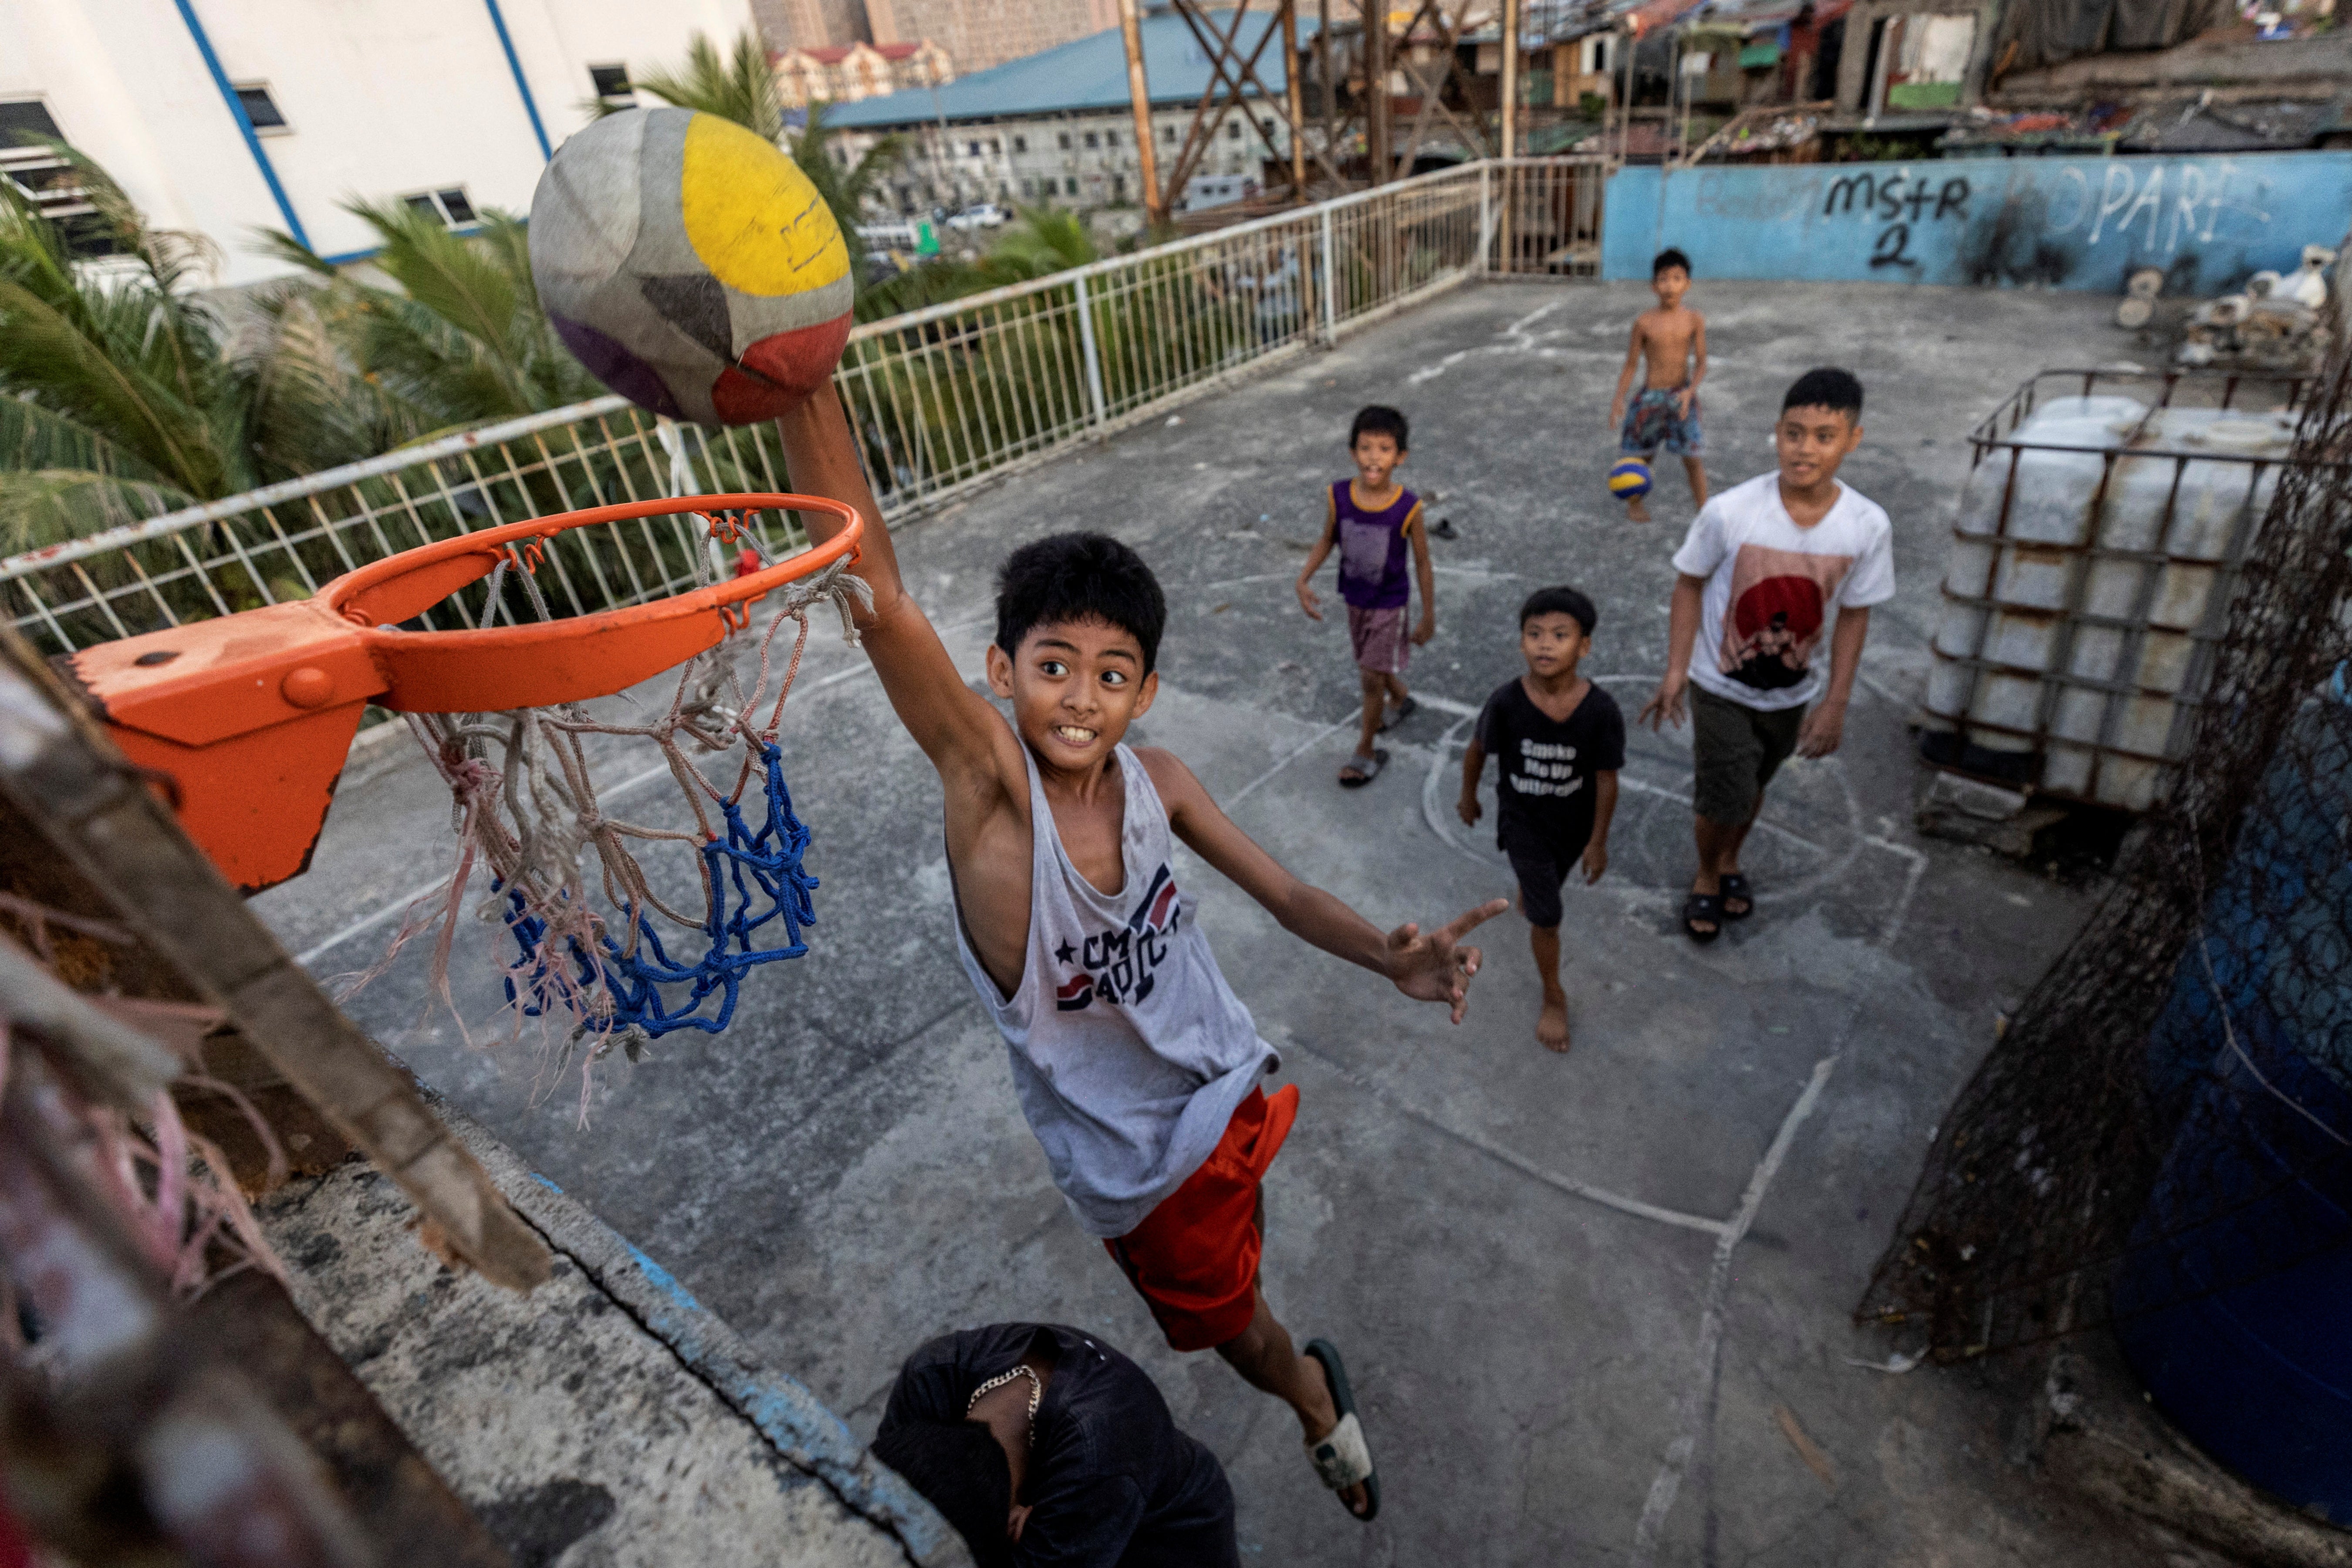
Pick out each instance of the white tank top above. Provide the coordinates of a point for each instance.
(1129, 1052)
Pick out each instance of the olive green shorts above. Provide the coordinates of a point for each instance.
(1736, 750)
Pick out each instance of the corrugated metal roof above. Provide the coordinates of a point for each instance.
(1089, 75)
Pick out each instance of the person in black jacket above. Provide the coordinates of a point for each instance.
(1041, 1445)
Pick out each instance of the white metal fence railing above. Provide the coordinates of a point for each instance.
(942, 399)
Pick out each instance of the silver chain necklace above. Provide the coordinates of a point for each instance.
(1020, 1369)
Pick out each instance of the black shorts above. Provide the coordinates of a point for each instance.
(1542, 865)
(1735, 752)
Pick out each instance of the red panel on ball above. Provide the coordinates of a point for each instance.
(779, 371)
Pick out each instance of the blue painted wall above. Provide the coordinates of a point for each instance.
(2068, 223)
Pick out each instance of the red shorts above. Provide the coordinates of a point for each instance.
(1194, 1258)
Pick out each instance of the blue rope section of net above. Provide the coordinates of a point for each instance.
(756, 879)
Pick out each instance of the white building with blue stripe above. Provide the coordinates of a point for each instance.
(226, 117)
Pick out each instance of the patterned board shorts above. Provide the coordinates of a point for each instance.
(1379, 640)
(1656, 420)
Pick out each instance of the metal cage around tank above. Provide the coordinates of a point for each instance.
(2095, 553)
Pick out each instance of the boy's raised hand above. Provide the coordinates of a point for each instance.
(1308, 602)
(1437, 967)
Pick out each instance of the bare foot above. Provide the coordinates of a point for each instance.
(1552, 1026)
(1355, 1498)
(1637, 511)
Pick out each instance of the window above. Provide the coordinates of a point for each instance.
(1069, 187)
(449, 208)
(1065, 141)
(47, 181)
(1168, 133)
(1029, 189)
(995, 147)
(612, 84)
(1119, 187)
(1092, 140)
(1233, 130)
(1021, 143)
(260, 110)
(1110, 138)
(972, 149)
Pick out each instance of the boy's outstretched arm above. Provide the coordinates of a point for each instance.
(1432, 967)
(955, 726)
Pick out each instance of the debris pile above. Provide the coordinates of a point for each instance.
(2276, 323)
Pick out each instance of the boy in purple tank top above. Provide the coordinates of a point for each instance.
(1372, 521)
(1135, 1064)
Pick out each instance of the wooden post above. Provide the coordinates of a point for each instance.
(1323, 84)
(1139, 93)
(1375, 88)
(1510, 141)
(1292, 101)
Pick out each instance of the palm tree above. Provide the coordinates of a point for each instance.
(462, 339)
(1039, 242)
(124, 392)
(740, 87)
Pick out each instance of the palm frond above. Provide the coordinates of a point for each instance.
(46, 506)
(32, 437)
(43, 355)
(740, 87)
(457, 281)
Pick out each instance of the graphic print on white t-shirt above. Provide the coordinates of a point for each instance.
(1779, 599)
(1773, 588)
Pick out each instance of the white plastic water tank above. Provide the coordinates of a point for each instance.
(2095, 551)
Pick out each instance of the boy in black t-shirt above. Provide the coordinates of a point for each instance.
(1560, 740)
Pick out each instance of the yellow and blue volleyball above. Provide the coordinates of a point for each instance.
(1628, 479)
(691, 266)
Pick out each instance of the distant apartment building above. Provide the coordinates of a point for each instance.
(226, 117)
(981, 34)
(852, 72)
(811, 24)
(1057, 128)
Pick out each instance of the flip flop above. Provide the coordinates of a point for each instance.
(1341, 1458)
(1703, 907)
(1735, 886)
(1361, 771)
(1404, 710)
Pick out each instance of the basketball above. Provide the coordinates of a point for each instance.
(691, 266)
(1628, 479)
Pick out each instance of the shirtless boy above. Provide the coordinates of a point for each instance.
(1135, 1064)
(1669, 345)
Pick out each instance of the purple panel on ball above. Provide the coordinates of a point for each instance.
(615, 366)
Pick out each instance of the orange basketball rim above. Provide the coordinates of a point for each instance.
(247, 718)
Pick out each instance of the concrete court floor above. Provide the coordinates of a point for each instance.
(1586, 1301)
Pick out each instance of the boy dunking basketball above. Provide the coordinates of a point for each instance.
(1136, 1066)
(1670, 344)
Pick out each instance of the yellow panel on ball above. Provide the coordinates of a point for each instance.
(753, 217)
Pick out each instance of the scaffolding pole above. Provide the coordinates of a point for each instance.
(1139, 93)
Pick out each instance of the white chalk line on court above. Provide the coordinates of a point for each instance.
(1518, 1162)
(367, 923)
(1291, 756)
(1692, 1410)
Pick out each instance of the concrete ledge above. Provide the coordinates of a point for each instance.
(606, 1407)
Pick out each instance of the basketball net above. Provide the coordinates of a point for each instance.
(600, 973)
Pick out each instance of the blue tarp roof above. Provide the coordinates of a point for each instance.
(1086, 75)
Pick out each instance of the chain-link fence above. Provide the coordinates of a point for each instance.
(2168, 1118)
(943, 399)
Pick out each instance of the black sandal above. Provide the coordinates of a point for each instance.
(1703, 907)
(1735, 886)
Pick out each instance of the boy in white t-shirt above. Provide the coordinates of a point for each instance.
(1769, 567)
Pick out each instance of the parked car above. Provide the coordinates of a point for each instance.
(986, 215)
